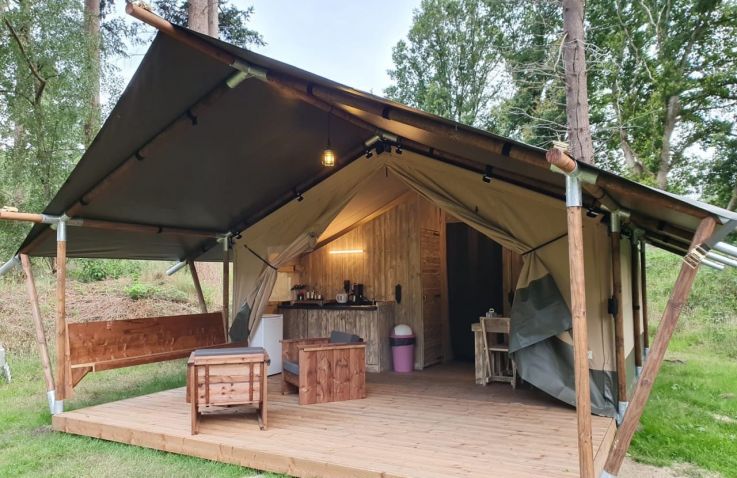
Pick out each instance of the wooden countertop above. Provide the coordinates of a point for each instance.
(333, 306)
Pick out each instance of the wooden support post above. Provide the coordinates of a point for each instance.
(226, 285)
(637, 324)
(558, 158)
(668, 323)
(574, 201)
(580, 341)
(197, 286)
(63, 363)
(619, 316)
(643, 290)
(43, 349)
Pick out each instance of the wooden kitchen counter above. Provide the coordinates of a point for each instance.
(373, 323)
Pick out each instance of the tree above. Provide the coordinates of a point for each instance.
(666, 80)
(534, 110)
(92, 16)
(720, 180)
(231, 21)
(198, 15)
(450, 65)
(43, 105)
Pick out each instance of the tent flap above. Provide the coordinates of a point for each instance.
(548, 365)
(538, 309)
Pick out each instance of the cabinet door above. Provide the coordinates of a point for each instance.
(431, 295)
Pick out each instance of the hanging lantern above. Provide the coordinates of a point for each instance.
(328, 157)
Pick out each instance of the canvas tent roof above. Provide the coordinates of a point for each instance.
(253, 148)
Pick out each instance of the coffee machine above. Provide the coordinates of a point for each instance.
(358, 293)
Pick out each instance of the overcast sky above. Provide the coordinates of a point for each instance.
(346, 41)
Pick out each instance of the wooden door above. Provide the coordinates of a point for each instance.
(430, 278)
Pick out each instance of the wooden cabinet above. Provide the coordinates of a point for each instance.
(373, 325)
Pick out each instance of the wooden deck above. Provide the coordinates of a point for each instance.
(435, 423)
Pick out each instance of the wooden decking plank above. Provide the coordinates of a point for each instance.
(403, 441)
(431, 425)
(125, 415)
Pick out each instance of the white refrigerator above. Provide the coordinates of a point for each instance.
(268, 335)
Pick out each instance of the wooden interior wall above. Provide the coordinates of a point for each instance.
(512, 266)
(391, 245)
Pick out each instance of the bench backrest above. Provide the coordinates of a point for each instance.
(119, 343)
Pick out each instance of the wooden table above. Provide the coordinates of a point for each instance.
(227, 377)
(502, 368)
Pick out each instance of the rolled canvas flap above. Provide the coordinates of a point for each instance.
(538, 310)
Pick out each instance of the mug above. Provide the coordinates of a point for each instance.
(341, 298)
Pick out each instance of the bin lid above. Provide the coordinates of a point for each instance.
(402, 330)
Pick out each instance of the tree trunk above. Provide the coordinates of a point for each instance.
(630, 157)
(577, 102)
(732, 205)
(672, 111)
(92, 28)
(212, 18)
(197, 16)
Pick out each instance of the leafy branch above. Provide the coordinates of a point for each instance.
(31, 65)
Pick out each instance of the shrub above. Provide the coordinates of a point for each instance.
(93, 270)
(137, 291)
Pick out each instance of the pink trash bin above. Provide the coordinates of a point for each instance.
(402, 341)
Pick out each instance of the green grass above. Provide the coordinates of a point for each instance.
(692, 416)
(692, 413)
(28, 446)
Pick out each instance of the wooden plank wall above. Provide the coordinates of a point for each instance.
(430, 274)
(391, 245)
(512, 266)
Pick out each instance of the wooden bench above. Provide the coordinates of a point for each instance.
(105, 345)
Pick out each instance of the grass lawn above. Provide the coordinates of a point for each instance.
(692, 413)
(691, 416)
(28, 446)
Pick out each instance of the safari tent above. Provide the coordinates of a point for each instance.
(213, 153)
